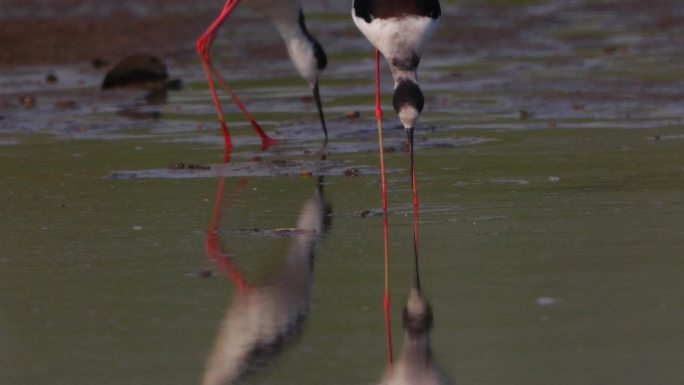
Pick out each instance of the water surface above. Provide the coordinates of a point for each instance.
(550, 167)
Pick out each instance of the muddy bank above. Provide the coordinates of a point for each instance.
(70, 37)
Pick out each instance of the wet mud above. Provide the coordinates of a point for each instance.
(548, 65)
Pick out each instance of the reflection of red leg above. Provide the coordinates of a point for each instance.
(213, 247)
(204, 49)
(378, 115)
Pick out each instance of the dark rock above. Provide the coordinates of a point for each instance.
(139, 70)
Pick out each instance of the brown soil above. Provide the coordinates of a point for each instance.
(69, 37)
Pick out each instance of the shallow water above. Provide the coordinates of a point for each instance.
(550, 162)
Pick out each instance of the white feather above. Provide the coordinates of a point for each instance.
(398, 37)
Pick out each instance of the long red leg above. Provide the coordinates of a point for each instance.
(204, 49)
(378, 115)
(266, 141)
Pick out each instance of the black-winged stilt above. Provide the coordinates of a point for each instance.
(398, 29)
(306, 54)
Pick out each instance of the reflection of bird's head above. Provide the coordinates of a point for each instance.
(417, 314)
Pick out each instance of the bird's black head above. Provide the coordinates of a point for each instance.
(408, 102)
(408, 93)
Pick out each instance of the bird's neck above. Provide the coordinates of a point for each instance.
(417, 348)
(301, 47)
(399, 75)
(292, 29)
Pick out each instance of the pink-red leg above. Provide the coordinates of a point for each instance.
(266, 141)
(378, 115)
(204, 49)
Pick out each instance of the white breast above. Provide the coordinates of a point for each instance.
(398, 37)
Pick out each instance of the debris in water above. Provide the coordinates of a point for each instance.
(554, 179)
(615, 49)
(524, 114)
(28, 101)
(352, 172)
(546, 301)
(205, 273)
(66, 105)
(352, 114)
(198, 167)
(191, 166)
(135, 114)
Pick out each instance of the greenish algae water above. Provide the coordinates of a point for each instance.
(100, 276)
(551, 250)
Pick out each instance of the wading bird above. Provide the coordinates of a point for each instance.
(306, 54)
(398, 29)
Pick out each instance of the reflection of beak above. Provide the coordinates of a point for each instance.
(317, 98)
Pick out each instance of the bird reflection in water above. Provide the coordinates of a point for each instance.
(262, 319)
(415, 365)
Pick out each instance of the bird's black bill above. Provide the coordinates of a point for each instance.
(412, 171)
(317, 98)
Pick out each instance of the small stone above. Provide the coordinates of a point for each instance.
(352, 114)
(28, 101)
(352, 172)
